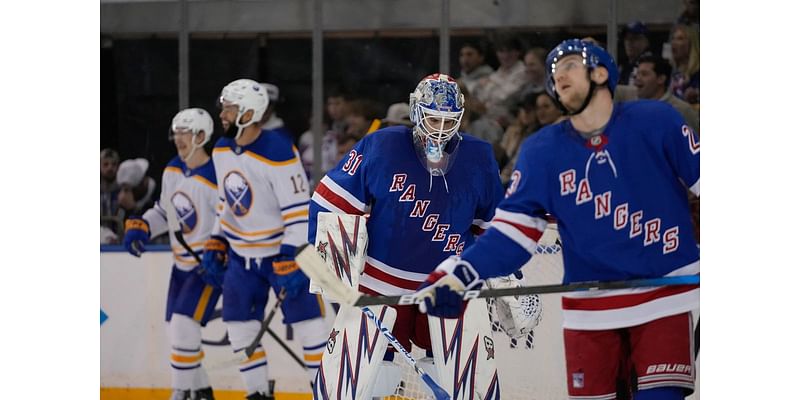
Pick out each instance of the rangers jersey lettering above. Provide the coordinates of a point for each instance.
(263, 194)
(414, 223)
(622, 210)
(193, 194)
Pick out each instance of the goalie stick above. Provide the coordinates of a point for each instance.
(314, 267)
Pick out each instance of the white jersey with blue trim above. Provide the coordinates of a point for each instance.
(416, 221)
(193, 194)
(620, 199)
(263, 194)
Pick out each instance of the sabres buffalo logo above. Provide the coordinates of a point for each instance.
(186, 211)
(238, 193)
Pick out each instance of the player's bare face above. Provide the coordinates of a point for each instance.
(572, 84)
(183, 142)
(228, 116)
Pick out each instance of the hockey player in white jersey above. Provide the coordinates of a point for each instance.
(263, 216)
(616, 178)
(430, 188)
(189, 186)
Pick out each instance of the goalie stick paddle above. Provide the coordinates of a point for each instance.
(437, 390)
(314, 267)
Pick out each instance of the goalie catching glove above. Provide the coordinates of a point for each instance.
(518, 315)
(441, 291)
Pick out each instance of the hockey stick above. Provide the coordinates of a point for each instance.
(315, 268)
(437, 390)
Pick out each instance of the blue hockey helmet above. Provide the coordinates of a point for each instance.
(593, 56)
(437, 106)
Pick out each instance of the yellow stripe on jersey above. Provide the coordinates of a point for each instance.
(268, 244)
(174, 169)
(312, 357)
(270, 162)
(303, 213)
(187, 359)
(202, 304)
(221, 149)
(205, 181)
(256, 233)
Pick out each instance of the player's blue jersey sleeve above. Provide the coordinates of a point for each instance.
(682, 147)
(344, 189)
(518, 221)
(492, 195)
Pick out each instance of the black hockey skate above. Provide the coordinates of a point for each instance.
(203, 394)
(260, 396)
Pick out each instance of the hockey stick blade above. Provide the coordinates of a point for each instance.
(366, 300)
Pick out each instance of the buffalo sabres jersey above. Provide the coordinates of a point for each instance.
(621, 204)
(263, 192)
(415, 221)
(193, 194)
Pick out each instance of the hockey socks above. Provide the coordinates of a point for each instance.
(313, 334)
(254, 370)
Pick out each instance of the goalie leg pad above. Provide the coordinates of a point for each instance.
(464, 353)
(353, 354)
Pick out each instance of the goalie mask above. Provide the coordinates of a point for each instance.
(437, 106)
(245, 95)
(194, 121)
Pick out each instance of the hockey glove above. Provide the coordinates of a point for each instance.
(137, 233)
(441, 291)
(288, 275)
(215, 261)
(518, 315)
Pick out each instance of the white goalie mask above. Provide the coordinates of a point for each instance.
(194, 120)
(437, 107)
(248, 95)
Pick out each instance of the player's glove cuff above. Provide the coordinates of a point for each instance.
(216, 243)
(137, 223)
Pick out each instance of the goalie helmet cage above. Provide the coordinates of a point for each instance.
(533, 367)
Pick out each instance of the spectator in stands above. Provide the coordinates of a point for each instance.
(362, 119)
(473, 67)
(634, 38)
(270, 120)
(493, 92)
(345, 144)
(547, 111)
(137, 190)
(690, 15)
(397, 114)
(534, 74)
(523, 126)
(685, 43)
(109, 189)
(652, 82)
(336, 106)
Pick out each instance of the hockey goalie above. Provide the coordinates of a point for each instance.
(428, 189)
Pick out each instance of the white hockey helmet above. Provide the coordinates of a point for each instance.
(248, 95)
(194, 120)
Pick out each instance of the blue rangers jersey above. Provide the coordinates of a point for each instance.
(622, 210)
(263, 194)
(415, 221)
(193, 194)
